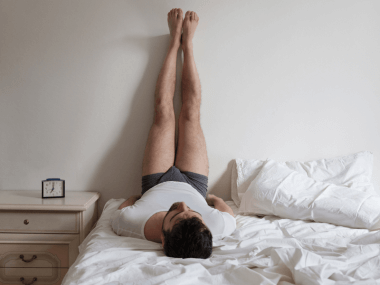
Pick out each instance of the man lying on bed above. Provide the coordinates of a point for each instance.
(172, 209)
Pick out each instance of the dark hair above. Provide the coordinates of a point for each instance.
(189, 238)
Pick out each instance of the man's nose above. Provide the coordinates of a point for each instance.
(183, 207)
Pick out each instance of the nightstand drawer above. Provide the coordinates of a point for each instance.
(46, 276)
(58, 250)
(39, 222)
(34, 255)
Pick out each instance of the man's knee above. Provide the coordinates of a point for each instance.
(190, 111)
(164, 112)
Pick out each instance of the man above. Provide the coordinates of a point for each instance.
(172, 209)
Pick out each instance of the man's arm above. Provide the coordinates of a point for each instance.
(130, 201)
(219, 204)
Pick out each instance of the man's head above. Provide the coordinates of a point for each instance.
(184, 233)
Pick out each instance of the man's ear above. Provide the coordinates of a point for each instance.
(162, 239)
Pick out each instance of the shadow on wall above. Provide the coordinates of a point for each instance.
(224, 182)
(119, 173)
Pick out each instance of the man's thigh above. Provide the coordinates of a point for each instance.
(160, 148)
(191, 151)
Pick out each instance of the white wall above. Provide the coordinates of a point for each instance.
(289, 80)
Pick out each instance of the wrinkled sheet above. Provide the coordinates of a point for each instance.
(267, 250)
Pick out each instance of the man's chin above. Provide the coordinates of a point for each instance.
(174, 206)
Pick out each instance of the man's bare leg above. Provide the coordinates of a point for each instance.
(191, 152)
(160, 148)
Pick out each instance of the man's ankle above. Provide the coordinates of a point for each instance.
(174, 44)
(187, 47)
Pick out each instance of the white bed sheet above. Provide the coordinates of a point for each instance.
(267, 250)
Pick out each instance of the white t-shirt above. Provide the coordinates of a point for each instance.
(130, 221)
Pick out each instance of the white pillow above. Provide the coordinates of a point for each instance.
(280, 191)
(353, 170)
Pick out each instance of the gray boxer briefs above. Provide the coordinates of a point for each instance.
(197, 181)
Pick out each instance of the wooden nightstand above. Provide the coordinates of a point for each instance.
(39, 238)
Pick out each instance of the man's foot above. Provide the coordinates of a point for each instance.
(175, 21)
(190, 24)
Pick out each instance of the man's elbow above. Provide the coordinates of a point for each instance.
(231, 212)
(123, 205)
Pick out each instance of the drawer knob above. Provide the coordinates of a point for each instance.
(26, 222)
(22, 280)
(33, 258)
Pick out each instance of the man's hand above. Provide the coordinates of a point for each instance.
(210, 199)
(130, 201)
(219, 204)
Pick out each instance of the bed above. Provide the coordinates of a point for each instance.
(264, 249)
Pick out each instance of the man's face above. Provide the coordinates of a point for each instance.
(178, 211)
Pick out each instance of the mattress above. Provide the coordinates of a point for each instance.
(262, 250)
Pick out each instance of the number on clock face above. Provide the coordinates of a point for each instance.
(53, 188)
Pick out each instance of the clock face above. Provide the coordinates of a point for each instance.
(53, 188)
